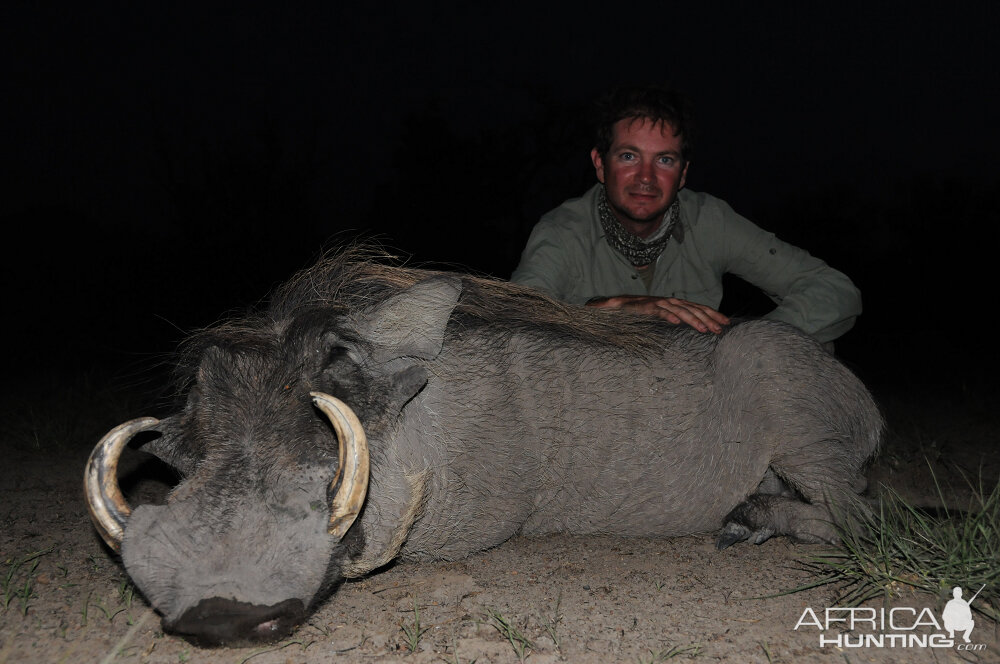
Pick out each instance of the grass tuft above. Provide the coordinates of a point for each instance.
(656, 656)
(897, 548)
(518, 641)
(414, 631)
(18, 582)
(550, 625)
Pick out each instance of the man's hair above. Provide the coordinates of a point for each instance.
(657, 103)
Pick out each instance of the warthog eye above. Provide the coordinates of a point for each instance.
(336, 353)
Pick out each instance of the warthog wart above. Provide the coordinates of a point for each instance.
(374, 412)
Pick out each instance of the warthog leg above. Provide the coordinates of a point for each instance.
(806, 496)
(772, 485)
(762, 516)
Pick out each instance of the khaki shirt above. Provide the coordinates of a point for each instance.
(568, 258)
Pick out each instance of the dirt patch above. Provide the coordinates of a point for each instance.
(552, 599)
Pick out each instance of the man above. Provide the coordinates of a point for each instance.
(639, 241)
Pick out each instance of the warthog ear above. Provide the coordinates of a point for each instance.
(404, 386)
(412, 322)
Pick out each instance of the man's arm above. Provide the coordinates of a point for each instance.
(809, 294)
(545, 265)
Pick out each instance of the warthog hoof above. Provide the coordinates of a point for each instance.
(734, 532)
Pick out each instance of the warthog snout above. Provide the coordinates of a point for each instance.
(219, 622)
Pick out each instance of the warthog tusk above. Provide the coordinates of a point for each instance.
(350, 485)
(107, 505)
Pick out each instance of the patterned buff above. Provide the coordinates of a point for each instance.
(637, 251)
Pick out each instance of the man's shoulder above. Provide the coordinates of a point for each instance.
(574, 215)
(698, 207)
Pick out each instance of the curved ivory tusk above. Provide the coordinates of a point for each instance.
(108, 508)
(350, 485)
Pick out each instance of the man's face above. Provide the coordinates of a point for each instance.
(642, 172)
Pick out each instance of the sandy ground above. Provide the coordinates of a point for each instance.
(553, 599)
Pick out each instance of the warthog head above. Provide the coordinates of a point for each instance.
(274, 462)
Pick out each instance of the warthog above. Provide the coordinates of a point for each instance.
(375, 412)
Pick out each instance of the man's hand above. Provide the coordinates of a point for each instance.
(671, 309)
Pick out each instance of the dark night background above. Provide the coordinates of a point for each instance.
(162, 166)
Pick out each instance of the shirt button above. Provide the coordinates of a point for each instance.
(635, 276)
